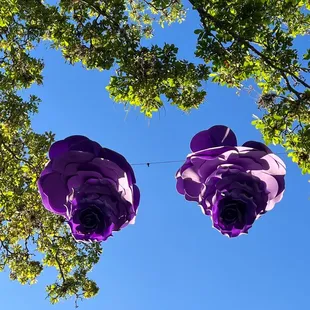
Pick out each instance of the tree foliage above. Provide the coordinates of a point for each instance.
(255, 39)
(238, 40)
(30, 236)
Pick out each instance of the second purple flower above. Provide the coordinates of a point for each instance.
(233, 184)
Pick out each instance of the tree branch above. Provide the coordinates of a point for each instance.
(205, 16)
(163, 8)
(60, 268)
(114, 23)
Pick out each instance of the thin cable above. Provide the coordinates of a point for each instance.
(172, 161)
(158, 162)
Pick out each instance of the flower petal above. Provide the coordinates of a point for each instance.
(80, 178)
(47, 169)
(215, 136)
(59, 164)
(272, 186)
(258, 146)
(180, 186)
(136, 197)
(276, 165)
(86, 146)
(109, 169)
(120, 161)
(60, 147)
(52, 186)
(193, 190)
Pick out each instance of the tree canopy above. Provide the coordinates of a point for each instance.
(238, 40)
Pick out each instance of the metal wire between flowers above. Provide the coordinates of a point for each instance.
(148, 164)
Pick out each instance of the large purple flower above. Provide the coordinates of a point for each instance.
(92, 187)
(233, 184)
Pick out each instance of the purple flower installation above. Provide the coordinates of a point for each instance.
(92, 187)
(233, 184)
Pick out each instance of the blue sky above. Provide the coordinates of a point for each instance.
(172, 258)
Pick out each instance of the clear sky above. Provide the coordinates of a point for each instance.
(172, 258)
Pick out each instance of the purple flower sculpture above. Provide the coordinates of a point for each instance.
(92, 187)
(233, 184)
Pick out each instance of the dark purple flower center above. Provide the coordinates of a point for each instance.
(90, 218)
(233, 212)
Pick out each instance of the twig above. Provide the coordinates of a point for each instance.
(6, 248)
(163, 8)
